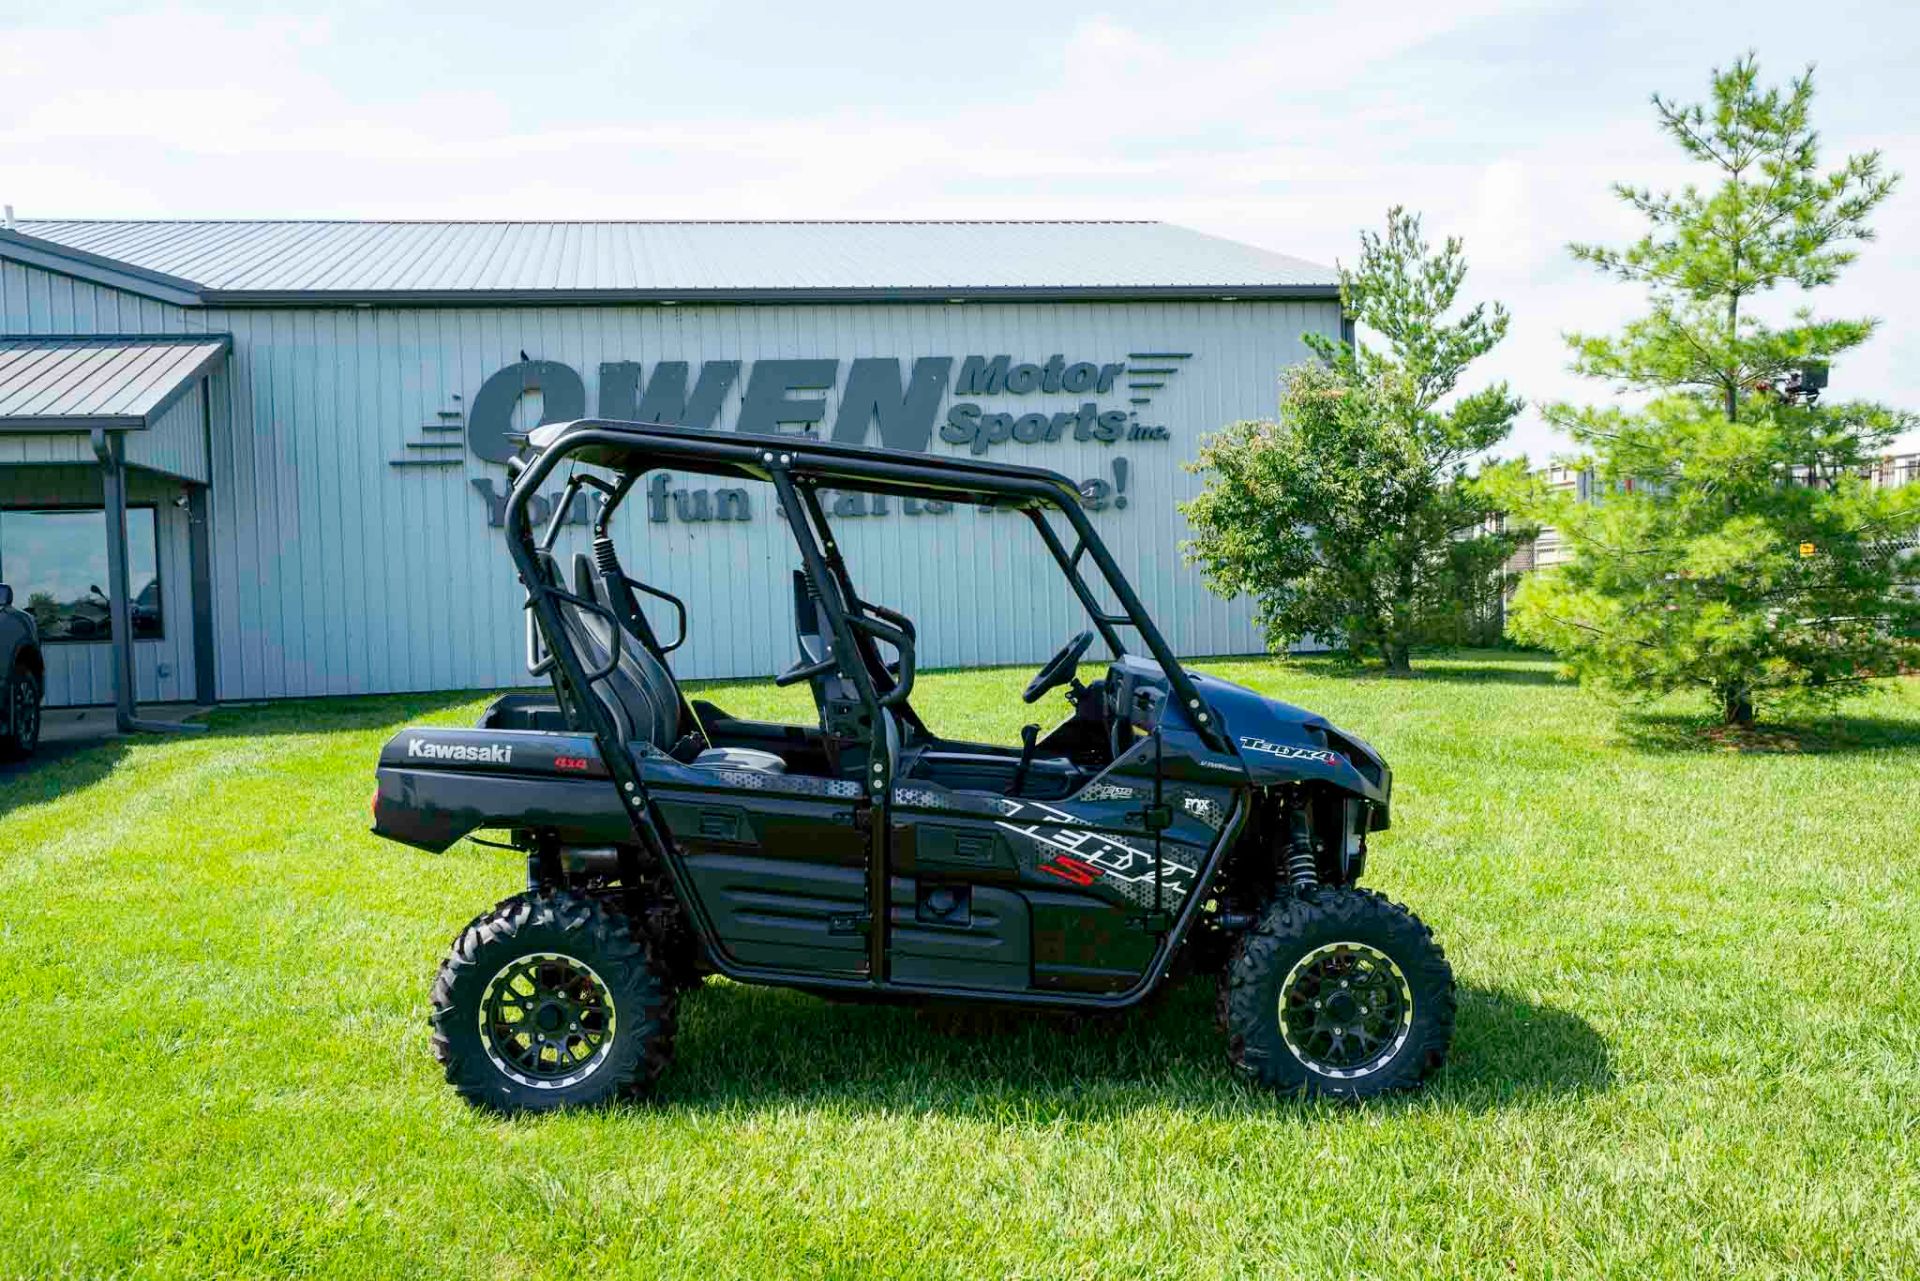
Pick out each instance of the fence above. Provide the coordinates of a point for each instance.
(1549, 549)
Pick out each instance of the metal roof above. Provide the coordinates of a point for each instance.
(265, 262)
(76, 384)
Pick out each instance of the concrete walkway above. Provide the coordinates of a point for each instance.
(64, 725)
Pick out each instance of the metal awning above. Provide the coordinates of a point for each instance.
(105, 390)
(109, 384)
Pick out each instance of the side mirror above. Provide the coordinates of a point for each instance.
(6, 596)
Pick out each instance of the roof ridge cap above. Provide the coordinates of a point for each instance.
(600, 222)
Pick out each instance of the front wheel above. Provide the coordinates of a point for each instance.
(1342, 993)
(550, 1001)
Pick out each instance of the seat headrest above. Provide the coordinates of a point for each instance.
(586, 581)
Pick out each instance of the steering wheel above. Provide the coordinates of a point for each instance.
(1059, 669)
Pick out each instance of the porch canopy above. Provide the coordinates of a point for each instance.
(114, 401)
(120, 384)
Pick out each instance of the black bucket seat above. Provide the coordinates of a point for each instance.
(640, 693)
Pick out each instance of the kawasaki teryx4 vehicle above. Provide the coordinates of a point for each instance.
(1169, 824)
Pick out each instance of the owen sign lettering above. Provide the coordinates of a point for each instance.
(898, 402)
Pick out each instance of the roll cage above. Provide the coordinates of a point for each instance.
(797, 468)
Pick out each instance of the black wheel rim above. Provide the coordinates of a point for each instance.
(546, 1020)
(1345, 1010)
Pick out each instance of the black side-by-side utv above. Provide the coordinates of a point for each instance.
(1171, 824)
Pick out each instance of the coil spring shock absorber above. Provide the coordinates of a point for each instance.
(604, 557)
(1301, 869)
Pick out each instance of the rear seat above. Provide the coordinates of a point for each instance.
(740, 758)
(640, 692)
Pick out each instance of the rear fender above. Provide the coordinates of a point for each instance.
(436, 786)
(27, 659)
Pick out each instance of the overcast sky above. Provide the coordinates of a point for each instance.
(1288, 126)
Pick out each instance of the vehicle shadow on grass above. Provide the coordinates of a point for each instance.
(55, 770)
(1672, 733)
(750, 1048)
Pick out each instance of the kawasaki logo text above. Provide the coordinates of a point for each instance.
(490, 754)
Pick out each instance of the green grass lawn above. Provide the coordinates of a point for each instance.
(1689, 1034)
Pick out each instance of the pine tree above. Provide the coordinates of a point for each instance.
(1735, 546)
(1351, 518)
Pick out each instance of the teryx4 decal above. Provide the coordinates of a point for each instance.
(1070, 869)
(1290, 753)
(1073, 854)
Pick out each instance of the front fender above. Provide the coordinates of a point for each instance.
(1280, 743)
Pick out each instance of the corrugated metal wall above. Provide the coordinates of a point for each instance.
(336, 572)
(45, 447)
(40, 302)
(175, 442)
(80, 674)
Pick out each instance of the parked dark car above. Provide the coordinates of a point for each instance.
(23, 679)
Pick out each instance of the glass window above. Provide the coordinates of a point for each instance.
(56, 563)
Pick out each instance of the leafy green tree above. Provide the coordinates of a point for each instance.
(1735, 547)
(45, 610)
(1352, 518)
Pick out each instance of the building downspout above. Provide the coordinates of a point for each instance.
(113, 477)
(200, 560)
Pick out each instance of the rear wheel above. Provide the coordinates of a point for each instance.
(1342, 993)
(548, 1001)
(23, 714)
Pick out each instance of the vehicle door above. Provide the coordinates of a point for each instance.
(1068, 891)
(778, 857)
(779, 860)
(774, 847)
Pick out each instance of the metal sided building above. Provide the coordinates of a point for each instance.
(308, 423)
